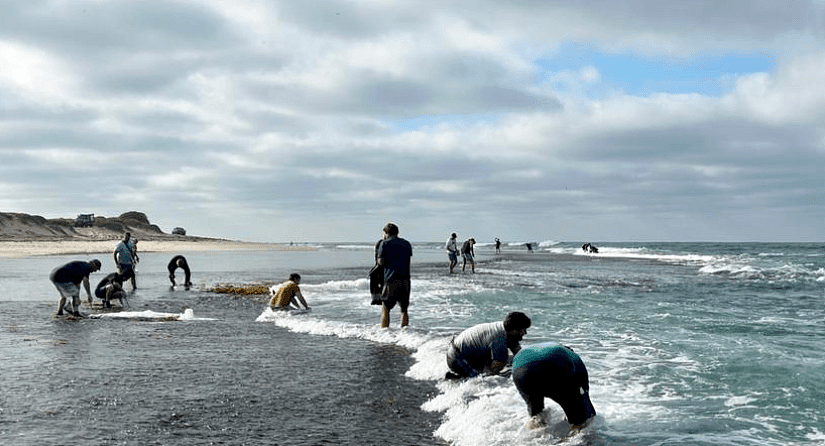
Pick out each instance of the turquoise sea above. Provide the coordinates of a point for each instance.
(685, 344)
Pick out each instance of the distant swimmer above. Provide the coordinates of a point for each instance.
(498, 246)
(452, 251)
(67, 278)
(529, 247)
(468, 254)
(483, 348)
(287, 293)
(556, 372)
(588, 248)
(179, 262)
(109, 289)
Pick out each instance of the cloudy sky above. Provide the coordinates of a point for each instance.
(587, 120)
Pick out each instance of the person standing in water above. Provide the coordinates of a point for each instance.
(452, 251)
(468, 254)
(123, 259)
(394, 255)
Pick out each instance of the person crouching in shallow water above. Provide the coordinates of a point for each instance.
(482, 349)
(287, 293)
(67, 278)
(556, 372)
(179, 262)
(394, 255)
(109, 289)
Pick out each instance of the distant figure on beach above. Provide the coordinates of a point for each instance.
(394, 255)
(110, 288)
(529, 247)
(452, 251)
(498, 246)
(555, 372)
(588, 248)
(376, 276)
(287, 293)
(123, 259)
(179, 261)
(468, 254)
(67, 278)
(482, 349)
(135, 259)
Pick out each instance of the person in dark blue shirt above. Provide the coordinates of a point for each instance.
(394, 255)
(67, 278)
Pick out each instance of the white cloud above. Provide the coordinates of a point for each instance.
(428, 112)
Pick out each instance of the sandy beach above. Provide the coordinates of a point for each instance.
(41, 248)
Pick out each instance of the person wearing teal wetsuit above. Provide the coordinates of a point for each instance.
(556, 372)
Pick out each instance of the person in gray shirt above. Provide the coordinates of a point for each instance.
(483, 348)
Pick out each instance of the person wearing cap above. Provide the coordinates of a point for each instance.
(286, 293)
(553, 371)
(452, 251)
(468, 254)
(394, 255)
(123, 259)
(179, 261)
(66, 278)
(483, 348)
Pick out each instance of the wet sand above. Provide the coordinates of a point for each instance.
(43, 248)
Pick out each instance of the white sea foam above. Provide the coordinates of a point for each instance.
(187, 315)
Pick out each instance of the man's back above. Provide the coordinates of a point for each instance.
(395, 254)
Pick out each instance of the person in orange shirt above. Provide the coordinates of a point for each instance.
(287, 293)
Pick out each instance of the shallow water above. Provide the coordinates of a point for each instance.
(220, 379)
(699, 344)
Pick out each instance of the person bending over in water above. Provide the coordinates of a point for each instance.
(179, 262)
(67, 278)
(287, 293)
(556, 372)
(482, 349)
(110, 288)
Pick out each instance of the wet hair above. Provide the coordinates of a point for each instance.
(453, 235)
(96, 263)
(391, 229)
(516, 321)
(294, 277)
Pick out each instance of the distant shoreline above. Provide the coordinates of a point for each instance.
(86, 247)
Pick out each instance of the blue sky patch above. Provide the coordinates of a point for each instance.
(642, 75)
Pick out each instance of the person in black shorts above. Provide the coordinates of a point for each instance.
(394, 255)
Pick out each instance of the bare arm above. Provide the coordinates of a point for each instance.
(301, 298)
(88, 290)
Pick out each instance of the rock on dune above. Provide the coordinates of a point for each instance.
(23, 227)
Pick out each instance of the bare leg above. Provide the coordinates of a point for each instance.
(385, 316)
(405, 318)
(60, 304)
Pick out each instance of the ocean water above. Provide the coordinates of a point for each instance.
(685, 344)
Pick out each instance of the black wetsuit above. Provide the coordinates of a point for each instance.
(173, 265)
